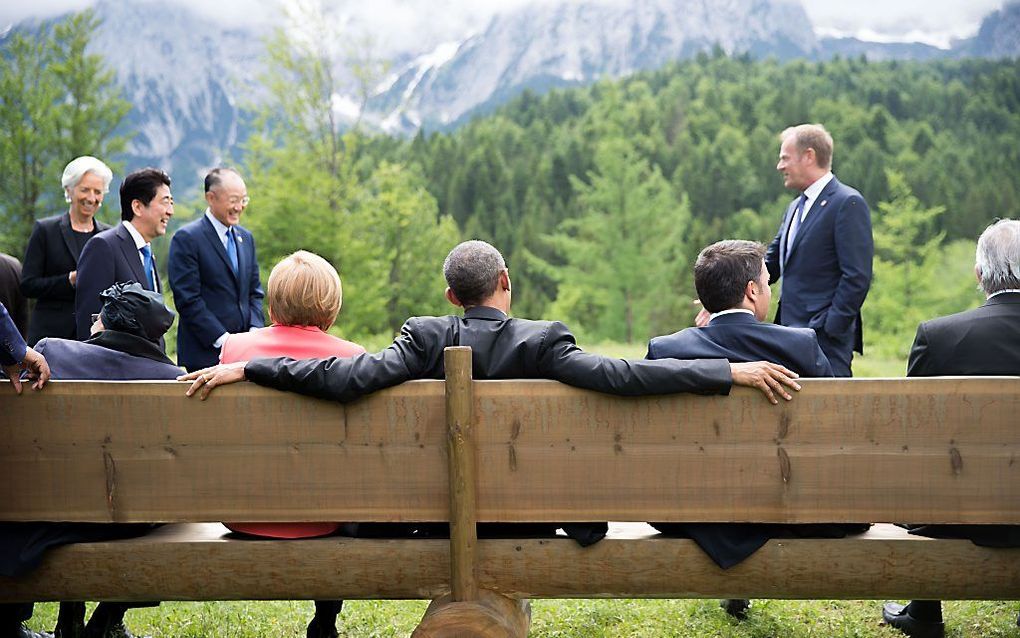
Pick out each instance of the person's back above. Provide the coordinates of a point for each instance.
(90, 360)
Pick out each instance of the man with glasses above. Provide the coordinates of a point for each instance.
(214, 274)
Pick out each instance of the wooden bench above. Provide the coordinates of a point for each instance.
(943, 450)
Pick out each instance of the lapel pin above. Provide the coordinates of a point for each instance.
(824, 202)
(241, 239)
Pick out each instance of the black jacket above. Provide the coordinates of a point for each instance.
(502, 348)
(51, 254)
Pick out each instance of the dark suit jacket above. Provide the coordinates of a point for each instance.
(51, 254)
(978, 342)
(210, 298)
(10, 292)
(826, 273)
(110, 355)
(12, 346)
(739, 337)
(502, 348)
(108, 258)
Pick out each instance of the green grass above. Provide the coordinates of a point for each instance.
(562, 618)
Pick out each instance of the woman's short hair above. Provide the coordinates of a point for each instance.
(304, 290)
(78, 167)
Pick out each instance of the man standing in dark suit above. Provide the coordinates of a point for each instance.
(10, 292)
(124, 253)
(983, 341)
(214, 274)
(732, 283)
(823, 250)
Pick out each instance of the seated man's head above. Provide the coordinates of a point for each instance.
(476, 274)
(732, 274)
(998, 257)
(304, 290)
(127, 307)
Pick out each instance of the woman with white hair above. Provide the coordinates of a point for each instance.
(50, 269)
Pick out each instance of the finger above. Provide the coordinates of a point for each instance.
(764, 387)
(784, 370)
(207, 388)
(194, 386)
(776, 386)
(44, 376)
(16, 382)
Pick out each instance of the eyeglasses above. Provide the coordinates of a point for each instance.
(242, 201)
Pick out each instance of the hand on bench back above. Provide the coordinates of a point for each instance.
(206, 379)
(767, 377)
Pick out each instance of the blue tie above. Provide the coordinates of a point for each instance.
(232, 249)
(795, 223)
(148, 264)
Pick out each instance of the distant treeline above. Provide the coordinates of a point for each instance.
(600, 197)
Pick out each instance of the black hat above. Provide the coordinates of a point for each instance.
(127, 307)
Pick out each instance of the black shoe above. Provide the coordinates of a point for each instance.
(736, 607)
(21, 631)
(318, 629)
(108, 630)
(898, 616)
(70, 620)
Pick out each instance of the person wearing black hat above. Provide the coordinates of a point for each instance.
(125, 345)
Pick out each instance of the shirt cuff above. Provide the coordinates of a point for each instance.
(222, 339)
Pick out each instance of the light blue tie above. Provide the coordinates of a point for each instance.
(795, 224)
(148, 264)
(232, 249)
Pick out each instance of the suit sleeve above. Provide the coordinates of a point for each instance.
(186, 283)
(560, 358)
(347, 379)
(256, 294)
(95, 274)
(36, 284)
(919, 363)
(772, 255)
(854, 251)
(822, 366)
(12, 346)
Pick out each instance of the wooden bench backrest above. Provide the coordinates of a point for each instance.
(920, 450)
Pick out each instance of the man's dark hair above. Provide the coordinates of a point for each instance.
(722, 271)
(215, 176)
(472, 271)
(141, 185)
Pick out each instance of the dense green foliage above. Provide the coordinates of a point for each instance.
(599, 197)
(56, 103)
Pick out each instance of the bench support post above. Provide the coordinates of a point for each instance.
(460, 434)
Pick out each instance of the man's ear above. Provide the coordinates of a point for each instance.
(977, 273)
(751, 290)
(452, 298)
(208, 197)
(504, 279)
(136, 207)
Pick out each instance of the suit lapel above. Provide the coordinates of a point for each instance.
(816, 210)
(132, 256)
(214, 240)
(783, 247)
(243, 259)
(65, 233)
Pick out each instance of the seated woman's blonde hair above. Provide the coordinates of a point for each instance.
(304, 290)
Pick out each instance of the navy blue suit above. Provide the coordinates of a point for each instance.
(210, 298)
(739, 337)
(12, 346)
(108, 258)
(826, 272)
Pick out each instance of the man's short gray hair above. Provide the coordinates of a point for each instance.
(472, 271)
(78, 167)
(998, 256)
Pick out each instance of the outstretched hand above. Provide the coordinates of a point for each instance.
(38, 370)
(208, 378)
(767, 377)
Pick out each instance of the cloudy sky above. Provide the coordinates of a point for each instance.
(931, 21)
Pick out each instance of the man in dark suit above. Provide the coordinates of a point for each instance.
(823, 249)
(732, 283)
(124, 346)
(10, 292)
(983, 341)
(214, 274)
(124, 252)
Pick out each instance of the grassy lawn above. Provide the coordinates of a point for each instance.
(562, 618)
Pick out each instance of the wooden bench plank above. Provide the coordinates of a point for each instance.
(196, 562)
(940, 450)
